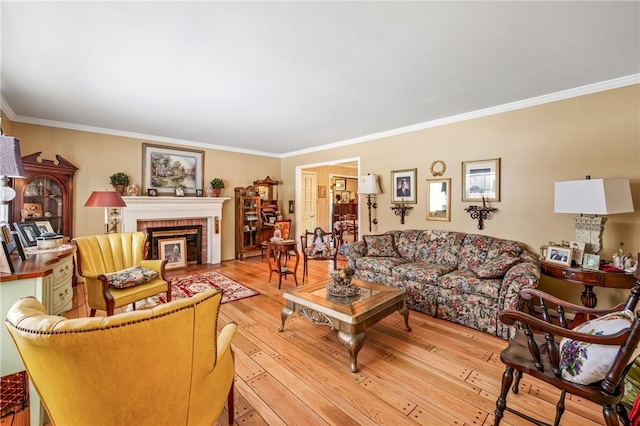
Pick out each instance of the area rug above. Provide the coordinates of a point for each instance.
(188, 285)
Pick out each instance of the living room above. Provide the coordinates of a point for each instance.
(590, 128)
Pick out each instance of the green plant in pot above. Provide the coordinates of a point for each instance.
(216, 185)
(119, 181)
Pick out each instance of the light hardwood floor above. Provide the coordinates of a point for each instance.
(438, 374)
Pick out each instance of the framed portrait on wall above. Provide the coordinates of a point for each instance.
(403, 186)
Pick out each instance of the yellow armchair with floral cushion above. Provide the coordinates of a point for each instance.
(160, 366)
(115, 271)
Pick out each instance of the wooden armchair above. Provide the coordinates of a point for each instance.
(564, 358)
(102, 254)
(319, 245)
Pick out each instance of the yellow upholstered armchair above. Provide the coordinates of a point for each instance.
(102, 254)
(160, 366)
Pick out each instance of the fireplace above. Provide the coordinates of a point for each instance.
(191, 233)
(144, 212)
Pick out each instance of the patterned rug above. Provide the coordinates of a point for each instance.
(188, 285)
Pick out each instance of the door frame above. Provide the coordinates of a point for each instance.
(298, 183)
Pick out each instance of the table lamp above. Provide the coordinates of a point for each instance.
(596, 197)
(10, 167)
(107, 199)
(368, 185)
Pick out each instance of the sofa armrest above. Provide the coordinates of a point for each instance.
(353, 251)
(525, 274)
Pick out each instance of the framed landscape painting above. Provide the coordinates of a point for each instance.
(165, 169)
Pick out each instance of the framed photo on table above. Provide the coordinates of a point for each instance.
(591, 261)
(481, 180)
(403, 186)
(44, 226)
(28, 232)
(559, 255)
(174, 251)
(165, 168)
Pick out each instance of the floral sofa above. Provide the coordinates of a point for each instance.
(463, 278)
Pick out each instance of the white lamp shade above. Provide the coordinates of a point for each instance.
(593, 196)
(368, 184)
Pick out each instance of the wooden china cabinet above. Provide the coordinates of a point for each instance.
(46, 193)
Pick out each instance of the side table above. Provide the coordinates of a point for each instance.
(277, 250)
(588, 278)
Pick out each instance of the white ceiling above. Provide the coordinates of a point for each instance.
(287, 77)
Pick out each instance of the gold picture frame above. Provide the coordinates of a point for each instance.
(481, 180)
(559, 255)
(164, 168)
(174, 251)
(439, 199)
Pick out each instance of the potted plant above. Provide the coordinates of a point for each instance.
(216, 185)
(119, 181)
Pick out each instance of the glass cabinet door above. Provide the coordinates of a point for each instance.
(43, 201)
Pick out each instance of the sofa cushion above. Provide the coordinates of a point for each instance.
(379, 265)
(477, 249)
(586, 363)
(421, 272)
(466, 282)
(130, 277)
(405, 242)
(497, 267)
(380, 245)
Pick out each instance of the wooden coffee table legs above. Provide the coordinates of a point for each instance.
(353, 344)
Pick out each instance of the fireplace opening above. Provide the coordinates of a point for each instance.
(192, 233)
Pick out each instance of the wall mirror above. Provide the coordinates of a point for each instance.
(439, 199)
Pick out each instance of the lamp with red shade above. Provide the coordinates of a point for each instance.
(108, 200)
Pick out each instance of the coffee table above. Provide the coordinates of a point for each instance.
(349, 315)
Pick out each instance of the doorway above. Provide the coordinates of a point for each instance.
(314, 191)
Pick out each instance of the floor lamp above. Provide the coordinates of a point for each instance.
(10, 167)
(109, 200)
(368, 185)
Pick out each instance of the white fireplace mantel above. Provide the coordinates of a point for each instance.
(169, 208)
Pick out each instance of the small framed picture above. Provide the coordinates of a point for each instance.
(174, 251)
(341, 184)
(44, 226)
(6, 266)
(198, 192)
(152, 192)
(560, 255)
(179, 191)
(8, 238)
(577, 251)
(19, 247)
(346, 195)
(28, 232)
(322, 191)
(403, 186)
(292, 206)
(591, 261)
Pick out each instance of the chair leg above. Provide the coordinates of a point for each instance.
(559, 408)
(501, 403)
(516, 385)
(92, 313)
(622, 414)
(230, 407)
(610, 415)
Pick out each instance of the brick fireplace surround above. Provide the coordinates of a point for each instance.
(143, 212)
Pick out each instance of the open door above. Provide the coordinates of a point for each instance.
(307, 202)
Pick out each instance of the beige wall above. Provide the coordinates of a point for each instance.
(98, 156)
(597, 135)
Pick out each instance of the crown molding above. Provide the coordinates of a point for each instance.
(512, 106)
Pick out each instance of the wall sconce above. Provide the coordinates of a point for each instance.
(368, 185)
(592, 196)
(401, 210)
(10, 167)
(107, 199)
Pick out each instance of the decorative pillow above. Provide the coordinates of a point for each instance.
(497, 267)
(586, 363)
(380, 245)
(130, 277)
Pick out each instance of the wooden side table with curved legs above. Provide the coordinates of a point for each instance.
(277, 251)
